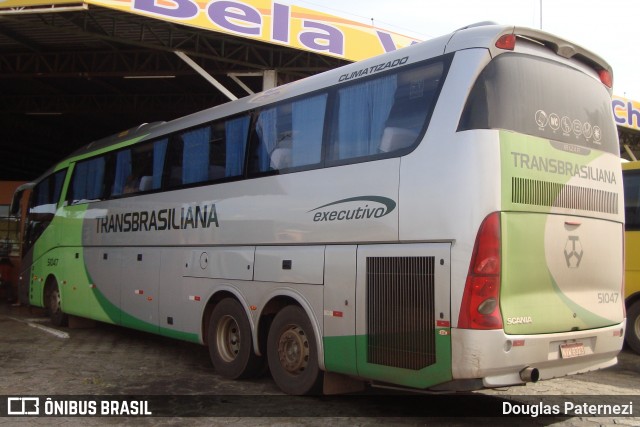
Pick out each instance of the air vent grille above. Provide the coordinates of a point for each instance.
(400, 312)
(551, 194)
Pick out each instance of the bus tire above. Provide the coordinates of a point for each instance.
(230, 342)
(292, 352)
(54, 305)
(632, 335)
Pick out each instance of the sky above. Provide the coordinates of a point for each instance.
(610, 28)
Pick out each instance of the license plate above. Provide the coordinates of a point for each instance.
(575, 349)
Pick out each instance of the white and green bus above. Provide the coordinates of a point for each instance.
(446, 216)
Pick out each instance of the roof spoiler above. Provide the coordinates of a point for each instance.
(482, 34)
(562, 47)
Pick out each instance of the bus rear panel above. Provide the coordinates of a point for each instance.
(543, 294)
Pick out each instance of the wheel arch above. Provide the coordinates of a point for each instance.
(632, 299)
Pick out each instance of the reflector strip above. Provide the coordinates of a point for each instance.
(139, 292)
(194, 297)
(443, 323)
(333, 313)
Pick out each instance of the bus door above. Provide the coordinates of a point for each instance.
(403, 330)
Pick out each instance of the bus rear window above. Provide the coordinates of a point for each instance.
(543, 98)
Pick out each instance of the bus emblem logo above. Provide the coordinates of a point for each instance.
(573, 252)
(369, 207)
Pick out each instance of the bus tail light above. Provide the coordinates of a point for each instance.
(480, 308)
(506, 42)
(606, 78)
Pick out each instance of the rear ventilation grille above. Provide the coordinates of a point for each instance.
(400, 312)
(551, 194)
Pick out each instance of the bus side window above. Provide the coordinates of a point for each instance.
(289, 135)
(43, 204)
(172, 174)
(384, 114)
(413, 100)
(361, 112)
(307, 125)
(143, 167)
(122, 172)
(195, 155)
(235, 143)
(87, 183)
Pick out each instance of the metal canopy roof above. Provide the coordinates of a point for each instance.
(71, 76)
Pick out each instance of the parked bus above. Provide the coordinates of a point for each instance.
(446, 216)
(631, 174)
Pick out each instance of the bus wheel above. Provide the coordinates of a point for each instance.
(292, 352)
(632, 335)
(230, 342)
(58, 317)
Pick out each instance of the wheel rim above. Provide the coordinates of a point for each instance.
(293, 350)
(636, 326)
(228, 338)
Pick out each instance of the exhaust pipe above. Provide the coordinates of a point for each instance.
(530, 374)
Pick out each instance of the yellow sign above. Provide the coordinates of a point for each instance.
(626, 112)
(264, 20)
(271, 22)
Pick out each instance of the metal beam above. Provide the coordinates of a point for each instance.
(206, 75)
(629, 152)
(236, 78)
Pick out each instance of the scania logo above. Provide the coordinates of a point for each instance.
(573, 252)
(354, 208)
(519, 320)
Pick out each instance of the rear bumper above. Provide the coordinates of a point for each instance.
(498, 359)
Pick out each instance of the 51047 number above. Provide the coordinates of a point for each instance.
(608, 297)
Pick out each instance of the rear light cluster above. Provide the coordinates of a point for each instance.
(480, 307)
(606, 78)
(506, 42)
